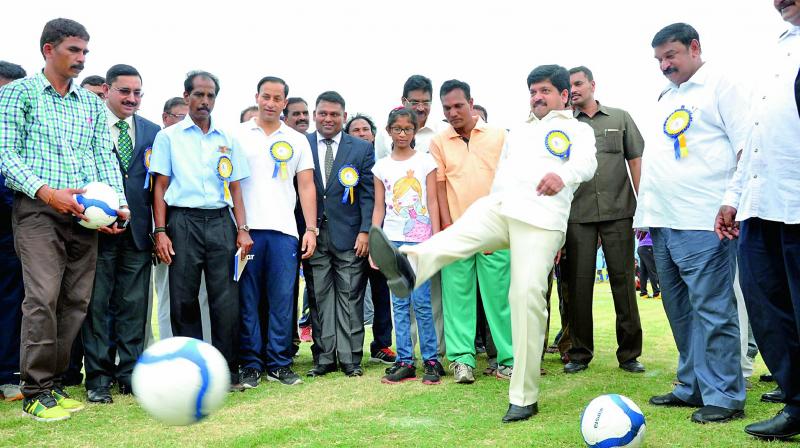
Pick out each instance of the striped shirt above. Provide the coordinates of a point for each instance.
(47, 139)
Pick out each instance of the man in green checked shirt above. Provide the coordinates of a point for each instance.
(53, 140)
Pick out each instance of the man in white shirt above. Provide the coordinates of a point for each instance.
(527, 211)
(278, 153)
(417, 95)
(765, 196)
(691, 156)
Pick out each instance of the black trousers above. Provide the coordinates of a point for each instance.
(204, 241)
(117, 313)
(769, 273)
(382, 306)
(647, 270)
(617, 240)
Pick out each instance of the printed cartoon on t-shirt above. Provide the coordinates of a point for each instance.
(407, 203)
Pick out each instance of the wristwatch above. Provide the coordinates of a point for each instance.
(315, 230)
(244, 227)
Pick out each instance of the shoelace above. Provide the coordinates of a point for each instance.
(47, 400)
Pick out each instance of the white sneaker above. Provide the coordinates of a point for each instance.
(462, 373)
(10, 392)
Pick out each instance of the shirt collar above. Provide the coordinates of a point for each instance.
(253, 126)
(113, 119)
(552, 115)
(336, 138)
(480, 126)
(188, 123)
(793, 30)
(699, 78)
(44, 83)
(600, 109)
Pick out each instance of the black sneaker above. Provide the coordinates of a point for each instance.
(399, 372)
(249, 377)
(284, 375)
(431, 375)
(385, 355)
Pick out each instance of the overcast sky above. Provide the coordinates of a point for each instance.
(366, 50)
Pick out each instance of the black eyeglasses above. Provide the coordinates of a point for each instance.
(181, 116)
(398, 131)
(124, 91)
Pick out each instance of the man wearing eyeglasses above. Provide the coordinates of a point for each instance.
(417, 94)
(122, 278)
(175, 110)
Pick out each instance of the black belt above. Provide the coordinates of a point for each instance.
(202, 212)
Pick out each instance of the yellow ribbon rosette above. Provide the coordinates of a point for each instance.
(146, 159)
(675, 126)
(558, 144)
(281, 153)
(348, 177)
(224, 172)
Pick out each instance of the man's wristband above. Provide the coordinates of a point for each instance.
(159, 230)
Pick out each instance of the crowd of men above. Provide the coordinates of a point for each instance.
(521, 213)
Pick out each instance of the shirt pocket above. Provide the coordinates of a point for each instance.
(609, 141)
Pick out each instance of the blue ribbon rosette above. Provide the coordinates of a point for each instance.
(348, 177)
(558, 144)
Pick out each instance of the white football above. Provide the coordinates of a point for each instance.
(100, 202)
(612, 421)
(180, 381)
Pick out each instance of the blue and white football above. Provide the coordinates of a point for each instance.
(611, 421)
(180, 381)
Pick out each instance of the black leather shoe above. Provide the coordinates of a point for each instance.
(782, 426)
(352, 370)
(774, 396)
(393, 265)
(575, 367)
(99, 395)
(518, 413)
(716, 414)
(670, 400)
(632, 366)
(321, 369)
(125, 389)
(766, 378)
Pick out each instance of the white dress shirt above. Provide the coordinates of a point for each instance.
(767, 182)
(269, 200)
(525, 160)
(422, 139)
(112, 126)
(685, 193)
(321, 148)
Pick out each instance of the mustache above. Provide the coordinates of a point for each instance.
(302, 120)
(669, 71)
(784, 4)
(129, 103)
(77, 66)
(540, 103)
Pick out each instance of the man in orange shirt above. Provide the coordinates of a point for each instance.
(467, 153)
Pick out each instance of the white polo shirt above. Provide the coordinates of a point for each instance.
(270, 199)
(686, 193)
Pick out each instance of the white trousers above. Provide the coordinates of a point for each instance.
(533, 250)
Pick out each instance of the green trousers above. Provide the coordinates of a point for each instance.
(459, 305)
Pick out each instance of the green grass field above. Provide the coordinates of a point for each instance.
(340, 411)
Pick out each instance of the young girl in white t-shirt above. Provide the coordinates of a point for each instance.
(410, 216)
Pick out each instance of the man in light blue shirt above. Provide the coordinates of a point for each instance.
(197, 170)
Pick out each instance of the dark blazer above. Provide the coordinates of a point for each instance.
(345, 221)
(140, 199)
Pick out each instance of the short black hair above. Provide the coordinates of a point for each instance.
(120, 70)
(556, 74)
(360, 117)
(293, 100)
(11, 71)
(56, 30)
(274, 79)
(331, 97)
(417, 82)
(454, 84)
(172, 102)
(188, 84)
(93, 80)
(681, 32)
(244, 112)
(582, 69)
(482, 109)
